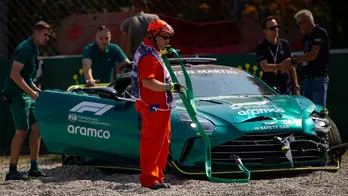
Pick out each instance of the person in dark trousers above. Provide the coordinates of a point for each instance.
(134, 28)
(21, 92)
(314, 78)
(100, 57)
(270, 54)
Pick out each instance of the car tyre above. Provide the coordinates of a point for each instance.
(170, 169)
(80, 160)
(68, 160)
(334, 140)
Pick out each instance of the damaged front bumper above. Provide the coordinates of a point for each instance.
(265, 151)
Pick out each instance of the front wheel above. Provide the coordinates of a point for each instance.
(334, 140)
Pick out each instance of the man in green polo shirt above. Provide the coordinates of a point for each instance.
(20, 92)
(102, 56)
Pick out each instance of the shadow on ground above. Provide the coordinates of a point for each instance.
(68, 173)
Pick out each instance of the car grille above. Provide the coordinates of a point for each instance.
(266, 149)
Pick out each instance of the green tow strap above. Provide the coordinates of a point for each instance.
(188, 101)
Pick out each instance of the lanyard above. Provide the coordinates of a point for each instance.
(274, 56)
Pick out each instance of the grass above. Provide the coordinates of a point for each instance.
(24, 159)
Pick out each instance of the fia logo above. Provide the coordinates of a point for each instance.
(86, 106)
(72, 117)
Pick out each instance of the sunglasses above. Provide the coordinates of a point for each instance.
(164, 37)
(104, 28)
(301, 22)
(272, 28)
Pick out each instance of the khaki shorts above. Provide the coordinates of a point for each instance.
(22, 109)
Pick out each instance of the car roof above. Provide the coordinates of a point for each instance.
(177, 67)
(198, 63)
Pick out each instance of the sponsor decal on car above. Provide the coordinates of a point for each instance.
(249, 104)
(87, 106)
(260, 111)
(268, 127)
(89, 132)
(206, 132)
(208, 71)
(87, 120)
(288, 121)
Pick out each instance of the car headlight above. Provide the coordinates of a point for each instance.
(321, 124)
(207, 125)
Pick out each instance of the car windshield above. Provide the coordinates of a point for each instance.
(223, 82)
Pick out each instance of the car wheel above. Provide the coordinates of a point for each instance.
(68, 160)
(334, 140)
(80, 160)
(171, 169)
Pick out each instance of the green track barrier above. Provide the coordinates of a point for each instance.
(188, 101)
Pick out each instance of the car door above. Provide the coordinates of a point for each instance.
(89, 126)
(126, 125)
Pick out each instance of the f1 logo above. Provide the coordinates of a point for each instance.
(98, 108)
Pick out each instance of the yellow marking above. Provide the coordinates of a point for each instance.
(75, 78)
(261, 170)
(261, 74)
(255, 69)
(231, 172)
(247, 66)
(163, 52)
(284, 148)
(84, 85)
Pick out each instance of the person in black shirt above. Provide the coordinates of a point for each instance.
(271, 54)
(314, 77)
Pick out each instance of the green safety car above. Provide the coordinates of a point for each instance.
(242, 116)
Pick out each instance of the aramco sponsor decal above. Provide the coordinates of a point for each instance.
(89, 132)
(260, 111)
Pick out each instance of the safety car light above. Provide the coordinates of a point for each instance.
(206, 124)
(321, 124)
(193, 125)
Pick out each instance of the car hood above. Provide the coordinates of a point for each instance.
(249, 108)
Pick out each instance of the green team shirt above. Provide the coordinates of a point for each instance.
(103, 62)
(25, 53)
